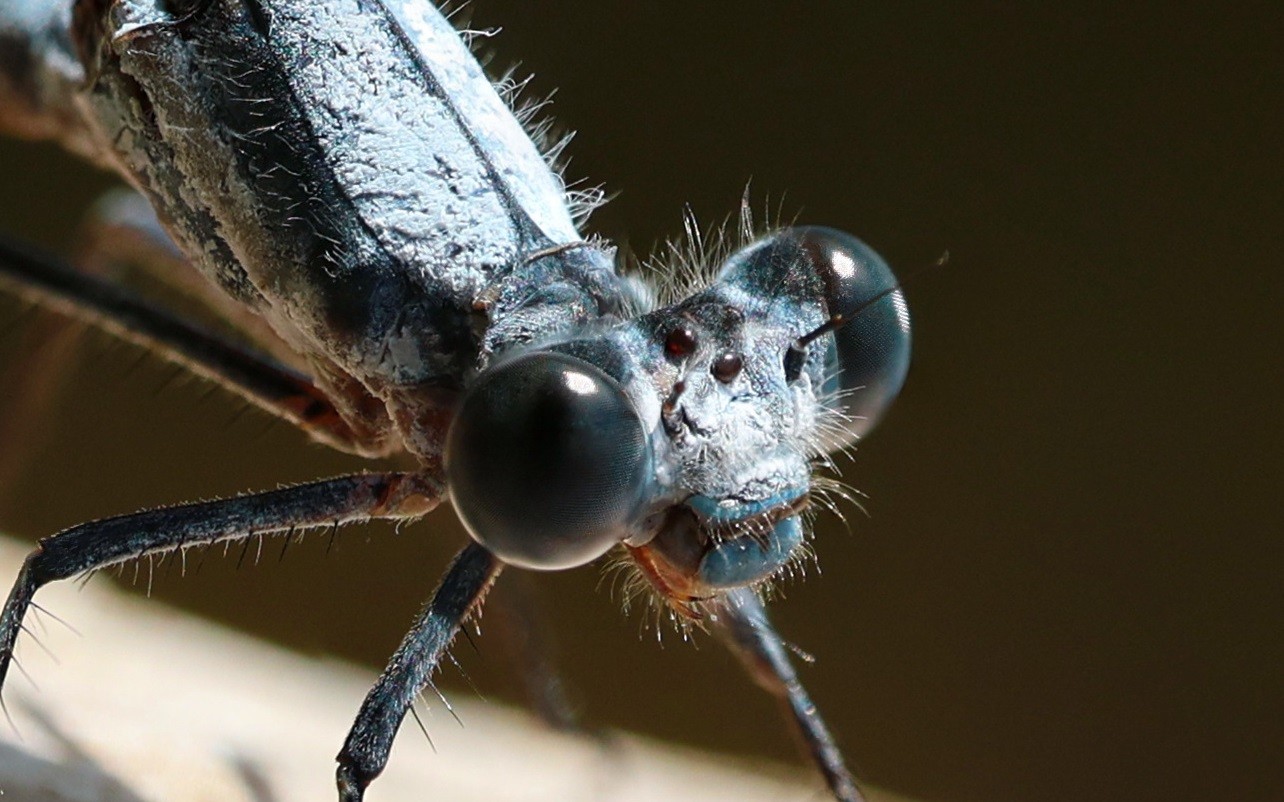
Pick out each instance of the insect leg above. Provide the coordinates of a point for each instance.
(46, 357)
(752, 638)
(259, 378)
(365, 751)
(523, 628)
(99, 544)
(122, 229)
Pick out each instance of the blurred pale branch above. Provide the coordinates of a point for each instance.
(149, 704)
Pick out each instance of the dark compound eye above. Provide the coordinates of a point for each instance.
(868, 356)
(547, 461)
(867, 351)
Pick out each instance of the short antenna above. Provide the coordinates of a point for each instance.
(838, 321)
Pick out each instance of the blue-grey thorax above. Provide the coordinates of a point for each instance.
(352, 177)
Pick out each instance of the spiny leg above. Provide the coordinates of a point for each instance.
(47, 355)
(99, 544)
(365, 751)
(257, 377)
(119, 229)
(750, 635)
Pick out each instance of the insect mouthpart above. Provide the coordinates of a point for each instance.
(705, 547)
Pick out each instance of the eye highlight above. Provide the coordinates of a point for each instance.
(868, 354)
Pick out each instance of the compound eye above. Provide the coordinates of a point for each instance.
(547, 461)
(868, 355)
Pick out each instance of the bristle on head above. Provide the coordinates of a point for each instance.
(532, 113)
(689, 263)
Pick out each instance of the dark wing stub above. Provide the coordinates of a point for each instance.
(547, 461)
(868, 356)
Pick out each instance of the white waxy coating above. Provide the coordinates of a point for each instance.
(538, 190)
(420, 168)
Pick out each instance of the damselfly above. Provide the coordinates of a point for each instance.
(362, 201)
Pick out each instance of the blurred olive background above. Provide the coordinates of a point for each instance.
(1068, 583)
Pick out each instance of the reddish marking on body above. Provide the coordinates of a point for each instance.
(676, 587)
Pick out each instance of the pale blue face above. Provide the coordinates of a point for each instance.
(690, 433)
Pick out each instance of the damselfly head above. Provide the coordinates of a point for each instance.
(795, 351)
(690, 433)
